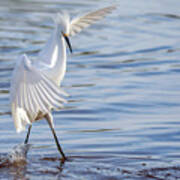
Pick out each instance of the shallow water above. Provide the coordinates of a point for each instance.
(122, 119)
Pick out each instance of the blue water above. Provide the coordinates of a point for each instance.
(122, 119)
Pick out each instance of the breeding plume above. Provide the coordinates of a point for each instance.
(35, 87)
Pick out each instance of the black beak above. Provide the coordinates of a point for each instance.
(68, 43)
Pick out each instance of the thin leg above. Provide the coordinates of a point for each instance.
(28, 133)
(49, 119)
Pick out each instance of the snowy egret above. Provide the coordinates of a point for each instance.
(35, 85)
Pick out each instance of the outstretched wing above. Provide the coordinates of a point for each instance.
(82, 22)
(32, 94)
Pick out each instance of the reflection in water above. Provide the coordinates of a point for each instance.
(18, 171)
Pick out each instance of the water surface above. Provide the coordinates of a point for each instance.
(122, 119)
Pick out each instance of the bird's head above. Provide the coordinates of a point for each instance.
(63, 21)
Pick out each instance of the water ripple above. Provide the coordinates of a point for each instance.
(122, 118)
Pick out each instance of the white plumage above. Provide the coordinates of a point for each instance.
(35, 85)
(33, 94)
(79, 23)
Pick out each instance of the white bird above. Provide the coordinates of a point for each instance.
(35, 85)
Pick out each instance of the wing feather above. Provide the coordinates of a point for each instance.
(32, 93)
(55, 92)
(38, 101)
(30, 102)
(56, 104)
(31, 96)
(82, 22)
(43, 99)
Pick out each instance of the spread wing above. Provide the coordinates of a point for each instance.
(82, 22)
(31, 94)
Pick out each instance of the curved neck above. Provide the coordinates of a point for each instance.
(53, 56)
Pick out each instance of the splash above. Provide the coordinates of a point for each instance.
(19, 153)
(17, 156)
